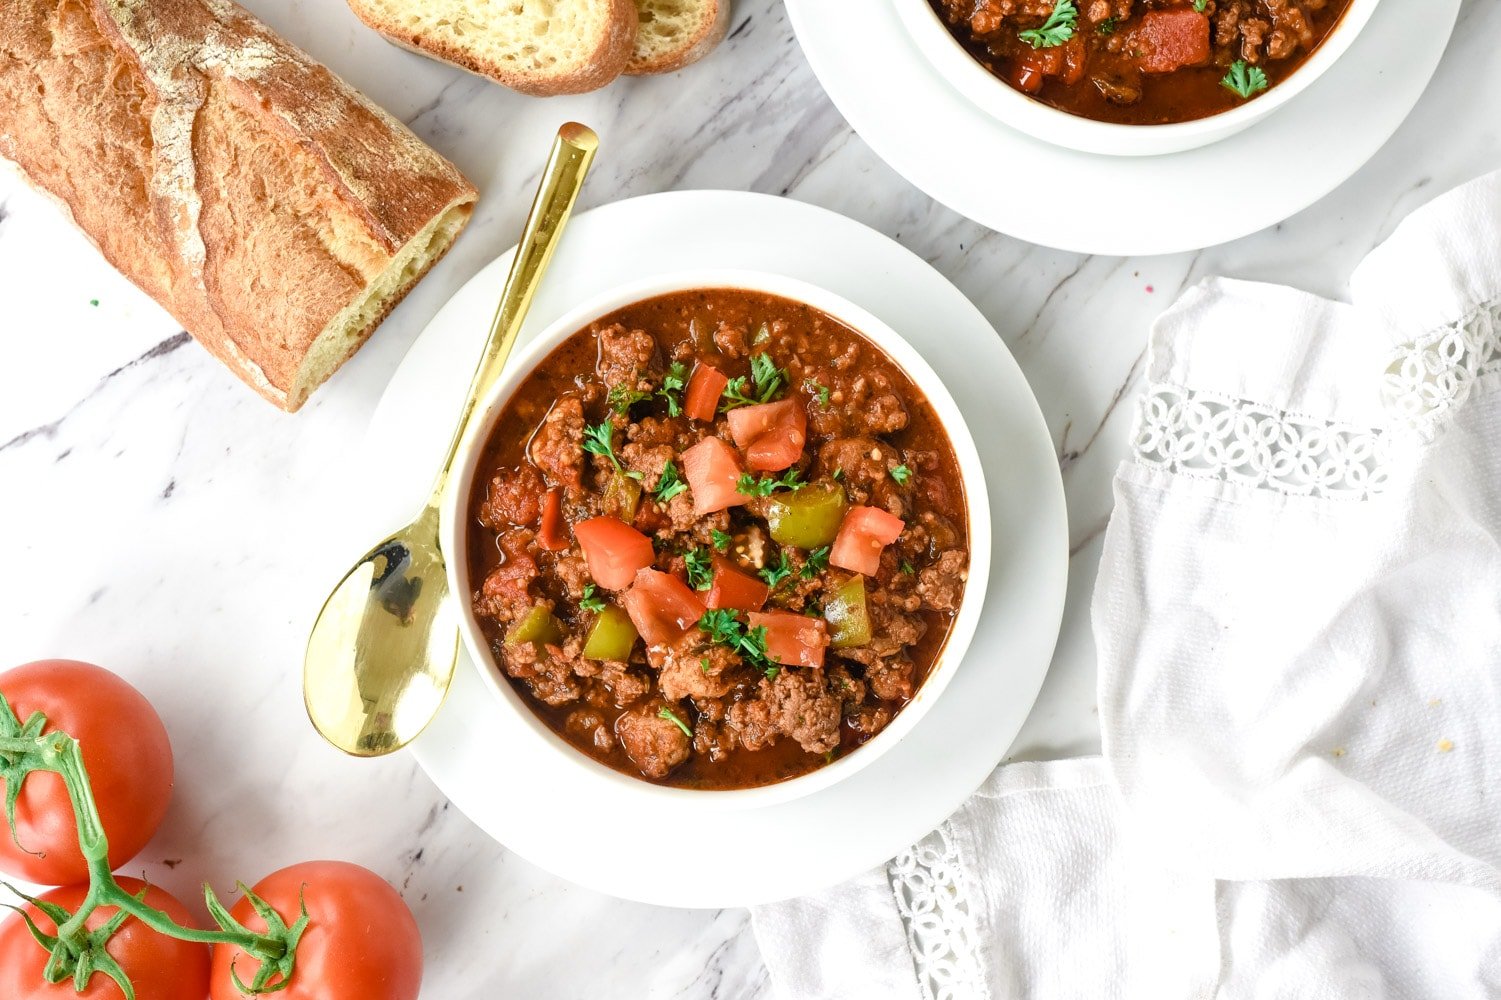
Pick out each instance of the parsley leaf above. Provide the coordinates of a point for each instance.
(727, 630)
(700, 574)
(901, 474)
(774, 575)
(703, 664)
(750, 486)
(818, 561)
(821, 390)
(623, 397)
(599, 439)
(907, 568)
(1199, 5)
(669, 484)
(673, 382)
(670, 715)
(1244, 79)
(766, 377)
(1057, 29)
(591, 601)
(1107, 26)
(838, 475)
(721, 539)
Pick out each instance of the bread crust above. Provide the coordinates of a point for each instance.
(707, 40)
(241, 184)
(601, 67)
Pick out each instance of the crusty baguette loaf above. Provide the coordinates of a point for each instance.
(677, 33)
(276, 213)
(545, 49)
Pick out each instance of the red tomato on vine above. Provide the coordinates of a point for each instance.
(361, 942)
(128, 757)
(159, 967)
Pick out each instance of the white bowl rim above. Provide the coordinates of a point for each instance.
(600, 777)
(1043, 121)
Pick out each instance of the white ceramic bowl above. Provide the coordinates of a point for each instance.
(1013, 108)
(513, 710)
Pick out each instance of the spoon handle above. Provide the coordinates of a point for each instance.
(572, 153)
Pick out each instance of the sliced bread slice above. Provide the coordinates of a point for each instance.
(675, 33)
(541, 47)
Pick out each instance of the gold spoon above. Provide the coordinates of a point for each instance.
(382, 653)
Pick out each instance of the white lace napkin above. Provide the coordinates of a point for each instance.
(1299, 624)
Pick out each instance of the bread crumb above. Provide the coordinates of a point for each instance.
(1338, 752)
(1444, 746)
(1435, 703)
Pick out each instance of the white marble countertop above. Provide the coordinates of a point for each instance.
(156, 508)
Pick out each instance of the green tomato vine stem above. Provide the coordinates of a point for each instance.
(60, 754)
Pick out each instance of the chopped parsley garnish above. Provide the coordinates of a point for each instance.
(669, 484)
(1200, 5)
(672, 383)
(1107, 26)
(623, 397)
(774, 575)
(93, 302)
(1057, 29)
(821, 390)
(838, 475)
(727, 630)
(901, 474)
(591, 601)
(750, 486)
(818, 561)
(1244, 79)
(722, 539)
(671, 716)
(599, 439)
(907, 568)
(703, 664)
(766, 378)
(700, 574)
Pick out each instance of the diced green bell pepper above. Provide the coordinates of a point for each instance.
(808, 518)
(847, 614)
(612, 635)
(536, 626)
(622, 497)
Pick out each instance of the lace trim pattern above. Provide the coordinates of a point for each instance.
(934, 901)
(1211, 436)
(1431, 377)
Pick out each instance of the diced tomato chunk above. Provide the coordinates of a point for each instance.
(772, 435)
(863, 533)
(704, 390)
(712, 470)
(613, 550)
(1067, 62)
(661, 606)
(1171, 39)
(793, 639)
(734, 588)
(553, 534)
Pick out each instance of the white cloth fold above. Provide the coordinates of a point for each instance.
(1298, 618)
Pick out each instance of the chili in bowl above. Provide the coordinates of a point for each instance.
(723, 532)
(1133, 77)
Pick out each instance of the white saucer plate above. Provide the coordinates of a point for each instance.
(640, 847)
(957, 153)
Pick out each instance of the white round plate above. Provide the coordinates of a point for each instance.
(646, 849)
(945, 144)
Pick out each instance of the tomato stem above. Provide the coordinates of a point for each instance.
(60, 754)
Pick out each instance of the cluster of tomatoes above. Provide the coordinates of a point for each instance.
(361, 942)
